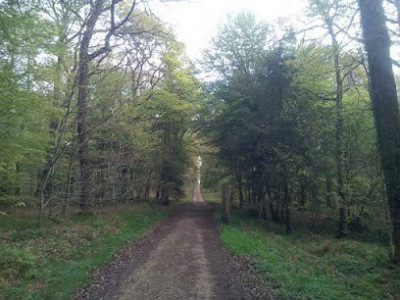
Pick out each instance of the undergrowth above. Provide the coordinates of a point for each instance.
(52, 261)
(309, 266)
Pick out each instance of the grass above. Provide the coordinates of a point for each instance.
(211, 196)
(308, 266)
(53, 261)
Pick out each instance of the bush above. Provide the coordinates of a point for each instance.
(14, 263)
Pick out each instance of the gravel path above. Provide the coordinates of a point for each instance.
(181, 258)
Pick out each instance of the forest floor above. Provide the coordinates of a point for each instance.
(54, 259)
(181, 258)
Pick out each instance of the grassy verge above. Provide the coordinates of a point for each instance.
(53, 261)
(212, 196)
(309, 266)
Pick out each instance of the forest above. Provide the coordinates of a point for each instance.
(104, 118)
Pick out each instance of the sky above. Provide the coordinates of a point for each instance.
(195, 22)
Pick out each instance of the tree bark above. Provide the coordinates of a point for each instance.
(342, 228)
(286, 207)
(274, 211)
(83, 93)
(240, 188)
(225, 203)
(69, 182)
(329, 200)
(302, 196)
(385, 106)
(164, 196)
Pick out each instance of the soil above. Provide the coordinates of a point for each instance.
(181, 258)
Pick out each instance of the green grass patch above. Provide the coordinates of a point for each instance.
(211, 196)
(309, 266)
(187, 199)
(52, 261)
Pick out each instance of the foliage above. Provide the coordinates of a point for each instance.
(239, 46)
(275, 126)
(140, 90)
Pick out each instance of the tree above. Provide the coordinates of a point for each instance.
(235, 55)
(171, 109)
(385, 106)
(253, 121)
(330, 11)
(110, 60)
(239, 46)
(24, 111)
(96, 10)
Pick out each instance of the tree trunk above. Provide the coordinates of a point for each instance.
(83, 148)
(225, 203)
(329, 199)
(147, 191)
(240, 188)
(68, 184)
(287, 219)
(286, 208)
(302, 196)
(83, 93)
(385, 106)
(342, 228)
(164, 196)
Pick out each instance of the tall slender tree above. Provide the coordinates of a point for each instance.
(332, 14)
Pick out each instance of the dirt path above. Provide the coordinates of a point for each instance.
(182, 258)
